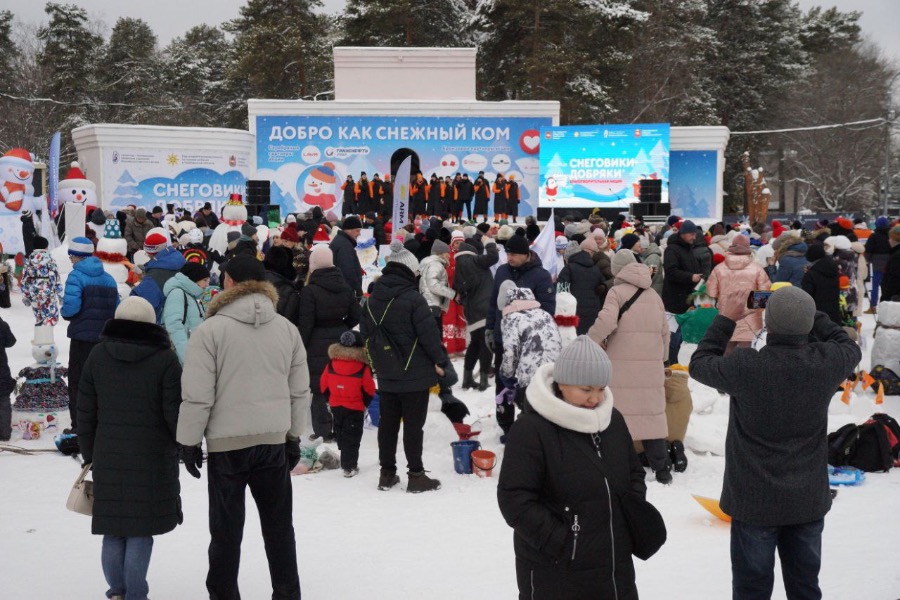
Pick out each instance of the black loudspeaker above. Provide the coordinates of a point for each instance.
(259, 191)
(650, 209)
(650, 190)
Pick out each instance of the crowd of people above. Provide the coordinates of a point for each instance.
(275, 344)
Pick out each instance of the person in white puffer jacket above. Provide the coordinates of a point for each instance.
(434, 284)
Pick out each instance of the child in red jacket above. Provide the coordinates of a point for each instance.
(348, 384)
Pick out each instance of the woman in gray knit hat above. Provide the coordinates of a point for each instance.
(568, 460)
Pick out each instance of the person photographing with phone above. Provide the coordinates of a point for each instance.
(776, 482)
(732, 280)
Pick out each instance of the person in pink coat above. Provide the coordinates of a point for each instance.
(739, 273)
(637, 343)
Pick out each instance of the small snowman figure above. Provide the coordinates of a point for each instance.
(234, 214)
(565, 317)
(111, 250)
(43, 392)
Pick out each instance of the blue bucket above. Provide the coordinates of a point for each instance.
(462, 455)
(374, 410)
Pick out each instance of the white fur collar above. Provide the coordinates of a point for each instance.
(559, 412)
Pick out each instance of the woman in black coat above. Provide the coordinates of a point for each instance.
(822, 282)
(583, 279)
(568, 459)
(280, 272)
(128, 401)
(328, 308)
(890, 282)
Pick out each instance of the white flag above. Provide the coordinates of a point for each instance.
(400, 215)
(545, 246)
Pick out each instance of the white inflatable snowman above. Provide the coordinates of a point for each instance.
(233, 216)
(565, 317)
(16, 174)
(111, 250)
(76, 196)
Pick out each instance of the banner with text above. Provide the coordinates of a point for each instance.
(590, 166)
(308, 157)
(185, 178)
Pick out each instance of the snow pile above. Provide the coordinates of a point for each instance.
(356, 542)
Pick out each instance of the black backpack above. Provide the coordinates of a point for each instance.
(841, 444)
(385, 355)
(872, 451)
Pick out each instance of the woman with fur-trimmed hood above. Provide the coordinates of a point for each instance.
(348, 384)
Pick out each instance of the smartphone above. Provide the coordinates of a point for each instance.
(758, 298)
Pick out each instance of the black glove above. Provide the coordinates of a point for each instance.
(489, 339)
(292, 450)
(192, 457)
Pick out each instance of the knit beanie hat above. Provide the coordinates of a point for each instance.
(195, 236)
(248, 229)
(135, 308)
(739, 245)
(244, 268)
(505, 232)
(517, 244)
(289, 234)
(140, 213)
(440, 247)
(583, 362)
(194, 271)
(351, 222)
(589, 244)
(97, 217)
(815, 252)
(571, 250)
(882, 222)
(156, 240)
(620, 260)
(351, 339)
(232, 236)
(503, 293)
(458, 234)
(41, 243)
(895, 234)
(401, 255)
(790, 311)
(688, 227)
(467, 247)
(561, 242)
(321, 257)
(628, 241)
(81, 246)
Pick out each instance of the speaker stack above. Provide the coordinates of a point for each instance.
(650, 205)
(259, 195)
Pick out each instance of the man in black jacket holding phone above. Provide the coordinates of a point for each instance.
(776, 479)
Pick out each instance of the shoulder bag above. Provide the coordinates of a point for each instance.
(81, 498)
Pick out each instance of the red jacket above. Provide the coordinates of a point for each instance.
(347, 379)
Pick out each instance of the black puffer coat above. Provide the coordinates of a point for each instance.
(552, 476)
(588, 285)
(890, 284)
(703, 255)
(343, 247)
(680, 264)
(128, 402)
(473, 282)
(411, 326)
(288, 297)
(328, 308)
(822, 282)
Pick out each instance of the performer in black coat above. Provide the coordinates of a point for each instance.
(568, 460)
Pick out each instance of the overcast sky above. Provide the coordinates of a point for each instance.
(171, 18)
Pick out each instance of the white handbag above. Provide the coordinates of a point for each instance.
(81, 498)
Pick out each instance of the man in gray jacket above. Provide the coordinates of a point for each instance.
(246, 390)
(776, 449)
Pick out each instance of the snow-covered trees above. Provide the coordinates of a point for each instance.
(128, 71)
(196, 65)
(406, 23)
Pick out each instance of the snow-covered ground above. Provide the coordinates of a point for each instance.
(357, 542)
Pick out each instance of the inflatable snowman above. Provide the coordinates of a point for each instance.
(233, 216)
(76, 195)
(111, 250)
(16, 174)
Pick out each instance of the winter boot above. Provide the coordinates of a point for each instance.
(483, 382)
(468, 380)
(677, 456)
(420, 482)
(387, 480)
(664, 476)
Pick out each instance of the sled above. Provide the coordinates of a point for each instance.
(712, 505)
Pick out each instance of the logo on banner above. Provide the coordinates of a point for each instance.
(172, 159)
(115, 157)
(530, 141)
(232, 161)
(311, 154)
(344, 152)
